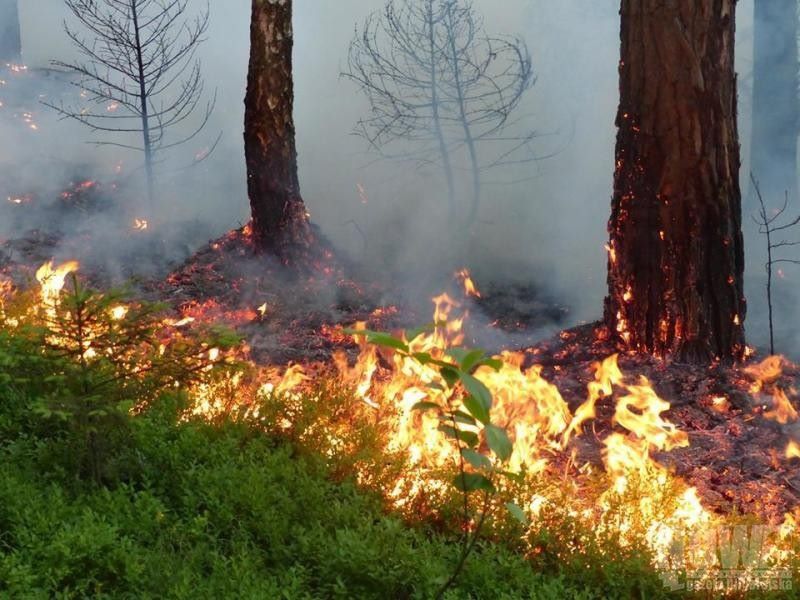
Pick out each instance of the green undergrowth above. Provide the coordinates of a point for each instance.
(107, 489)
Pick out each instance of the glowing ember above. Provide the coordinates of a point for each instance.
(612, 253)
(140, 224)
(18, 200)
(628, 295)
(180, 323)
(720, 403)
(119, 312)
(793, 450)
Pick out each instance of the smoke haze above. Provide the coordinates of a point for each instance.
(549, 227)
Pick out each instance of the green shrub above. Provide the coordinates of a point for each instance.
(231, 515)
(75, 366)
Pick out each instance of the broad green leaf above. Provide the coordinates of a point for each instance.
(472, 482)
(515, 477)
(424, 405)
(498, 441)
(457, 353)
(516, 512)
(477, 409)
(492, 363)
(450, 375)
(478, 390)
(422, 358)
(473, 359)
(379, 338)
(388, 341)
(468, 437)
(476, 459)
(461, 417)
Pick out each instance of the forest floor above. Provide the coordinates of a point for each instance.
(735, 456)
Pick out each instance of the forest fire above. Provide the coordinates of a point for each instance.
(172, 372)
(628, 493)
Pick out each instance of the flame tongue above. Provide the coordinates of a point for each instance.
(530, 407)
(470, 289)
(52, 279)
(640, 413)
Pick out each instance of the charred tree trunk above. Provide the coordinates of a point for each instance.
(10, 41)
(280, 222)
(775, 99)
(676, 257)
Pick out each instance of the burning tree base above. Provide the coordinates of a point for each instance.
(286, 314)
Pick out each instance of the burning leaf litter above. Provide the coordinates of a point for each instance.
(622, 431)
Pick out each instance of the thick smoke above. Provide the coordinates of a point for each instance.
(549, 227)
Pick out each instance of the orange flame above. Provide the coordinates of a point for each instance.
(470, 288)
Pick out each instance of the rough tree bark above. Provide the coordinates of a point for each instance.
(280, 222)
(10, 41)
(676, 257)
(775, 99)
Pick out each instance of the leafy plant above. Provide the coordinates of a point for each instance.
(464, 410)
(222, 511)
(86, 360)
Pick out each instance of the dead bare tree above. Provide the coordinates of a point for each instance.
(768, 226)
(10, 42)
(439, 85)
(139, 74)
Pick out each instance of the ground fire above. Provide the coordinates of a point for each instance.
(465, 404)
(604, 438)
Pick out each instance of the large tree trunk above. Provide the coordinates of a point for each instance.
(775, 99)
(676, 257)
(280, 222)
(10, 43)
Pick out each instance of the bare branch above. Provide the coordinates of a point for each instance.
(436, 81)
(138, 63)
(767, 228)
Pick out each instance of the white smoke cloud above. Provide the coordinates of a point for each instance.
(552, 226)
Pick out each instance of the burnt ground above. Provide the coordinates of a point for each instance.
(735, 458)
